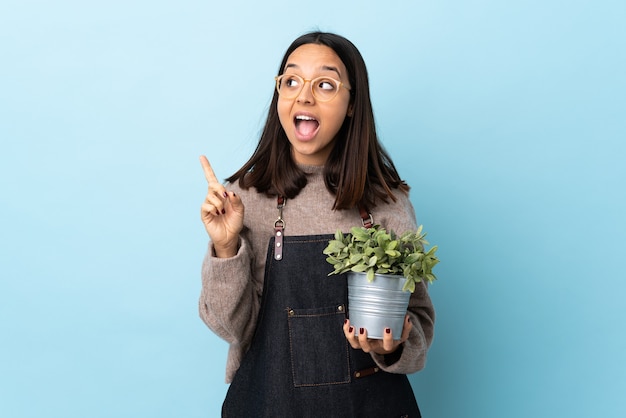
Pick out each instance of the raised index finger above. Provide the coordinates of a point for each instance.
(208, 171)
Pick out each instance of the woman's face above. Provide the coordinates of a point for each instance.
(312, 125)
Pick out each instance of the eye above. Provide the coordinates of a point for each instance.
(291, 81)
(326, 84)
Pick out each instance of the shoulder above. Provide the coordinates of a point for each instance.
(398, 216)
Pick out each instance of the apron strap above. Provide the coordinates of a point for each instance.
(366, 217)
(279, 228)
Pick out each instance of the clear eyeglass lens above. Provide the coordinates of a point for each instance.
(289, 85)
(324, 89)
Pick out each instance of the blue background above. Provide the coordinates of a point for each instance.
(507, 118)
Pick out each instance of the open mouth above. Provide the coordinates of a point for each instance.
(306, 126)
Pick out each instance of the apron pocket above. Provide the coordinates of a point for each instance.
(318, 346)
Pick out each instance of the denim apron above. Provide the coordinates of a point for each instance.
(299, 363)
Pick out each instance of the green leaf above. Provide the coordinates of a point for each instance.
(393, 253)
(356, 258)
(359, 268)
(360, 234)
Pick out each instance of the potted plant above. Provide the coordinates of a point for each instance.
(382, 271)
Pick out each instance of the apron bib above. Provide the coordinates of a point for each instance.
(299, 363)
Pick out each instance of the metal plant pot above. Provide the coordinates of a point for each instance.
(378, 304)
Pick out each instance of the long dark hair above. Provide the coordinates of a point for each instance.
(359, 172)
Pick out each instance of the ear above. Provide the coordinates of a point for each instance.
(349, 113)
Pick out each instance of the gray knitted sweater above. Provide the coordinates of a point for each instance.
(232, 287)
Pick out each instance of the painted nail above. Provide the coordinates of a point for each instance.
(225, 194)
(351, 329)
(234, 194)
(217, 212)
(223, 211)
(345, 321)
(387, 330)
(361, 330)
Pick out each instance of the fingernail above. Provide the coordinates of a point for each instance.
(234, 194)
(351, 329)
(225, 194)
(217, 212)
(223, 211)
(387, 330)
(361, 330)
(345, 321)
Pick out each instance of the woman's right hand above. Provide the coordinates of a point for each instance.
(221, 213)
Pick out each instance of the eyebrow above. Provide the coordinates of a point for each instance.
(324, 68)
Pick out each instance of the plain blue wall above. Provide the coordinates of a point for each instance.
(507, 118)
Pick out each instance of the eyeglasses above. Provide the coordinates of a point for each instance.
(324, 89)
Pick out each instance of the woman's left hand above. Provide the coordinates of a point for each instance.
(385, 346)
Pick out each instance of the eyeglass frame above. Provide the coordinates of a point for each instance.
(340, 83)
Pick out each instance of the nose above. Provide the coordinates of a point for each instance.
(306, 94)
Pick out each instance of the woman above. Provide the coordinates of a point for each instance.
(318, 167)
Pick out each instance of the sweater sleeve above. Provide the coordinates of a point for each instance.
(414, 349)
(229, 300)
(400, 218)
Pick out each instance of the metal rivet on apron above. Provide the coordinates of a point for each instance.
(340, 308)
(291, 312)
